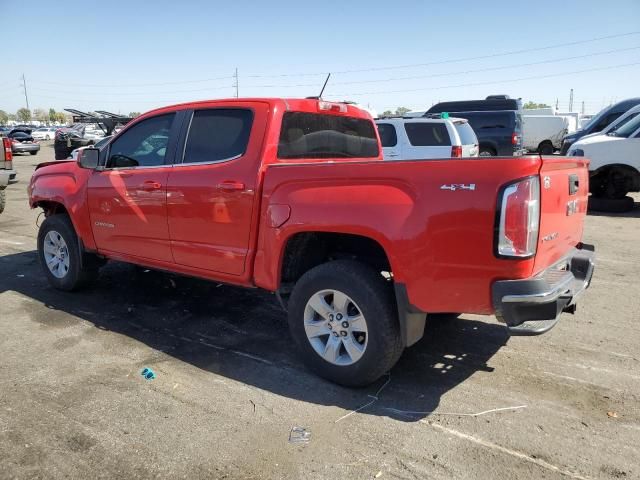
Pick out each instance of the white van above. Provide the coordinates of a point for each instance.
(543, 133)
(409, 138)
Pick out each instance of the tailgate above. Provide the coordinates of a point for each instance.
(564, 187)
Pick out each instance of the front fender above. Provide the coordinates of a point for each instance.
(65, 184)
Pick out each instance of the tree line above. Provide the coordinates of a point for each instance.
(41, 115)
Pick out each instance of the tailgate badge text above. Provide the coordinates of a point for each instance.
(458, 186)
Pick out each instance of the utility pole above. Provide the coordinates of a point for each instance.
(235, 76)
(571, 100)
(556, 104)
(582, 109)
(24, 86)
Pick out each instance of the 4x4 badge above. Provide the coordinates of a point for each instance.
(458, 186)
(547, 182)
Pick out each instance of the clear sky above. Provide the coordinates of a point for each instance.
(136, 55)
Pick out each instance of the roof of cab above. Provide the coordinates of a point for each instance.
(309, 105)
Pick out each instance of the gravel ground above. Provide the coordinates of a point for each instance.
(229, 389)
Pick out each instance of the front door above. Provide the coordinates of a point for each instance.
(211, 192)
(128, 199)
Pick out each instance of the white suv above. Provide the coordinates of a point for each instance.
(614, 170)
(410, 138)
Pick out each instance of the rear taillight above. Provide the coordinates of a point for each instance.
(456, 151)
(519, 220)
(514, 139)
(8, 154)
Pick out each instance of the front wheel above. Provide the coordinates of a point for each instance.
(343, 319)
(60, 255)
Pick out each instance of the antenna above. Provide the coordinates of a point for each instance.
(324, 86)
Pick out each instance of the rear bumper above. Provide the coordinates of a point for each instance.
(532, 306)
(31, 147)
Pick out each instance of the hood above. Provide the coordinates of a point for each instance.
(596, 138)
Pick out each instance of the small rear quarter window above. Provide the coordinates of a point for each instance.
(388, 136)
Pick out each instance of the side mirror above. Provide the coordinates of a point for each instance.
(89, 157)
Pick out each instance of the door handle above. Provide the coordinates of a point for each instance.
(150, 185)
(231, 186)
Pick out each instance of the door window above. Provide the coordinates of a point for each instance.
(142, 145)
(217, 135)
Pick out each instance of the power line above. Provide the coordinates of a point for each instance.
(486, 83)
(446, 74)
(456, 60)
(135, 84)
(24, 86)
(168, 92)
(369, 69)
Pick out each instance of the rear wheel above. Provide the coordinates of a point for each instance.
(611, 184)
(3, 200)
(487, 152)
(33, 153)
(342, 317)
(60, 256)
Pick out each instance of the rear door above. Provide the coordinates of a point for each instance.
(564, 187)
(426, 140)
(212, 188)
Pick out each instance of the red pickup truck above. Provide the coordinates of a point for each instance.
(293, 196)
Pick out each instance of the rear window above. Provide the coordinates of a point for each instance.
(466, 133)
(388, 136)
(427, 134)
(313, 135)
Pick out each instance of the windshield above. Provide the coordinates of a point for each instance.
(622, 122)
(595, 119)
(627, 129)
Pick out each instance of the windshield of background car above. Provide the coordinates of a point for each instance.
(314, 135)
(624, 121)
(628, 128)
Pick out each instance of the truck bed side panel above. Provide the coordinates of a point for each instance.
(439, 241)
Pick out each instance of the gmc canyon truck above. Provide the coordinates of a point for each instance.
(7, 173)
(293, 196)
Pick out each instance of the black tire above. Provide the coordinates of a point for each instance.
(611, 205)
(545, 148)
(611, 184)
(33, 153)
(487, 152)
(3, 200)
(374, 297)
(79, 273)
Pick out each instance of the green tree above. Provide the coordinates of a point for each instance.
(134, 114)
(400, 111)
(23, 114)
(531, 105)
(52, 115)
(60, 117)
(40, 114)
(387, 113)
(4, 118)
(12, 117)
